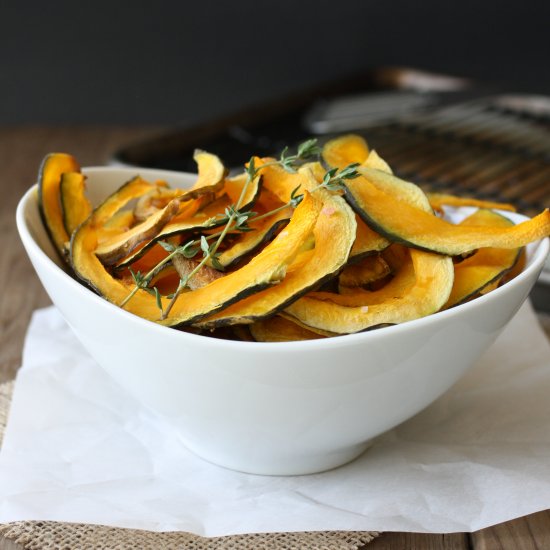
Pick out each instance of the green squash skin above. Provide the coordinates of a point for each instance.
(76, 232)
(71, 165)
(348, 222)
(71, 224)
(248, 319)
(471, 295)
(477, 292)
(268, 235)
(375, 226)
(191, 232)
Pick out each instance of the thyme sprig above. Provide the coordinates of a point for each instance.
(241, 218)
(236, 220)
(335, 179)
(210, 251)
(307, 150)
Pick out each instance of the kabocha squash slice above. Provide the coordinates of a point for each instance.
(273, 294)
(518, 267)
(119, 222)
(350, 149)
(430, 291)
(334, 235)
(211, 175)
(75, 206)
(489, 288)
(203, 220)
(85, 239)
(472, 281)
(145, 262)
(124, 249)
(267, 268)
(367, 271)
(248, 243)
(240, 332)
(280, 182)
(153, 201)
(283, 183)
(204, 276)
(210, 180)
(374, 160)
(118, 247)
(113, 207)
(272, 216)
(405, 191)
(439, 200)
(345, 150)
(486, 266)
(52, 168)
(318, 331)
(404, 278)
(233, 188)
(399, 221)
(192, 207)
(206, 217)
(158, 198)
(278, 329)
(367, 241)
(166, 280)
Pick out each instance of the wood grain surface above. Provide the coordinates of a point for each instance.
(21, 150)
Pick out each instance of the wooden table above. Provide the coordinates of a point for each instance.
(21, 150)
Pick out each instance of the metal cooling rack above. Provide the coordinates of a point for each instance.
(492, 149)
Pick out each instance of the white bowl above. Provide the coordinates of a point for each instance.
(273, 408)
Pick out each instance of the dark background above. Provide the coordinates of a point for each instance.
(183, 62)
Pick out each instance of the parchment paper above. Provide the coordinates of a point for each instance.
(79, 449)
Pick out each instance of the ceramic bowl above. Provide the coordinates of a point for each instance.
(273, 408)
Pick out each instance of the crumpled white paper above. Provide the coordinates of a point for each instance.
(79, 449)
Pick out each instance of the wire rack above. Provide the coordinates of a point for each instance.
(490, 149)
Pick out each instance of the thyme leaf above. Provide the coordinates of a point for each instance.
(235, 219)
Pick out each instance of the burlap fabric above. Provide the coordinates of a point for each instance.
(49, 535)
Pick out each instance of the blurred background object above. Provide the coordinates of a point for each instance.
(168, 62)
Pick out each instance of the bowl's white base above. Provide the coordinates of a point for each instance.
(284, 465)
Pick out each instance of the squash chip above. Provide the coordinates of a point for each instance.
(433, 281)
(279, 329)
(487, 266)
(386, 213)
(334, 234)
(286, 250)
(345, 150)
(75, 206)
(51, 170)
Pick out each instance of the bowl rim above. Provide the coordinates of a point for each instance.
(30, 200)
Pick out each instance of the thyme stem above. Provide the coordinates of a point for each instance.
(333, 180)
(147, 278)
(212, 250)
